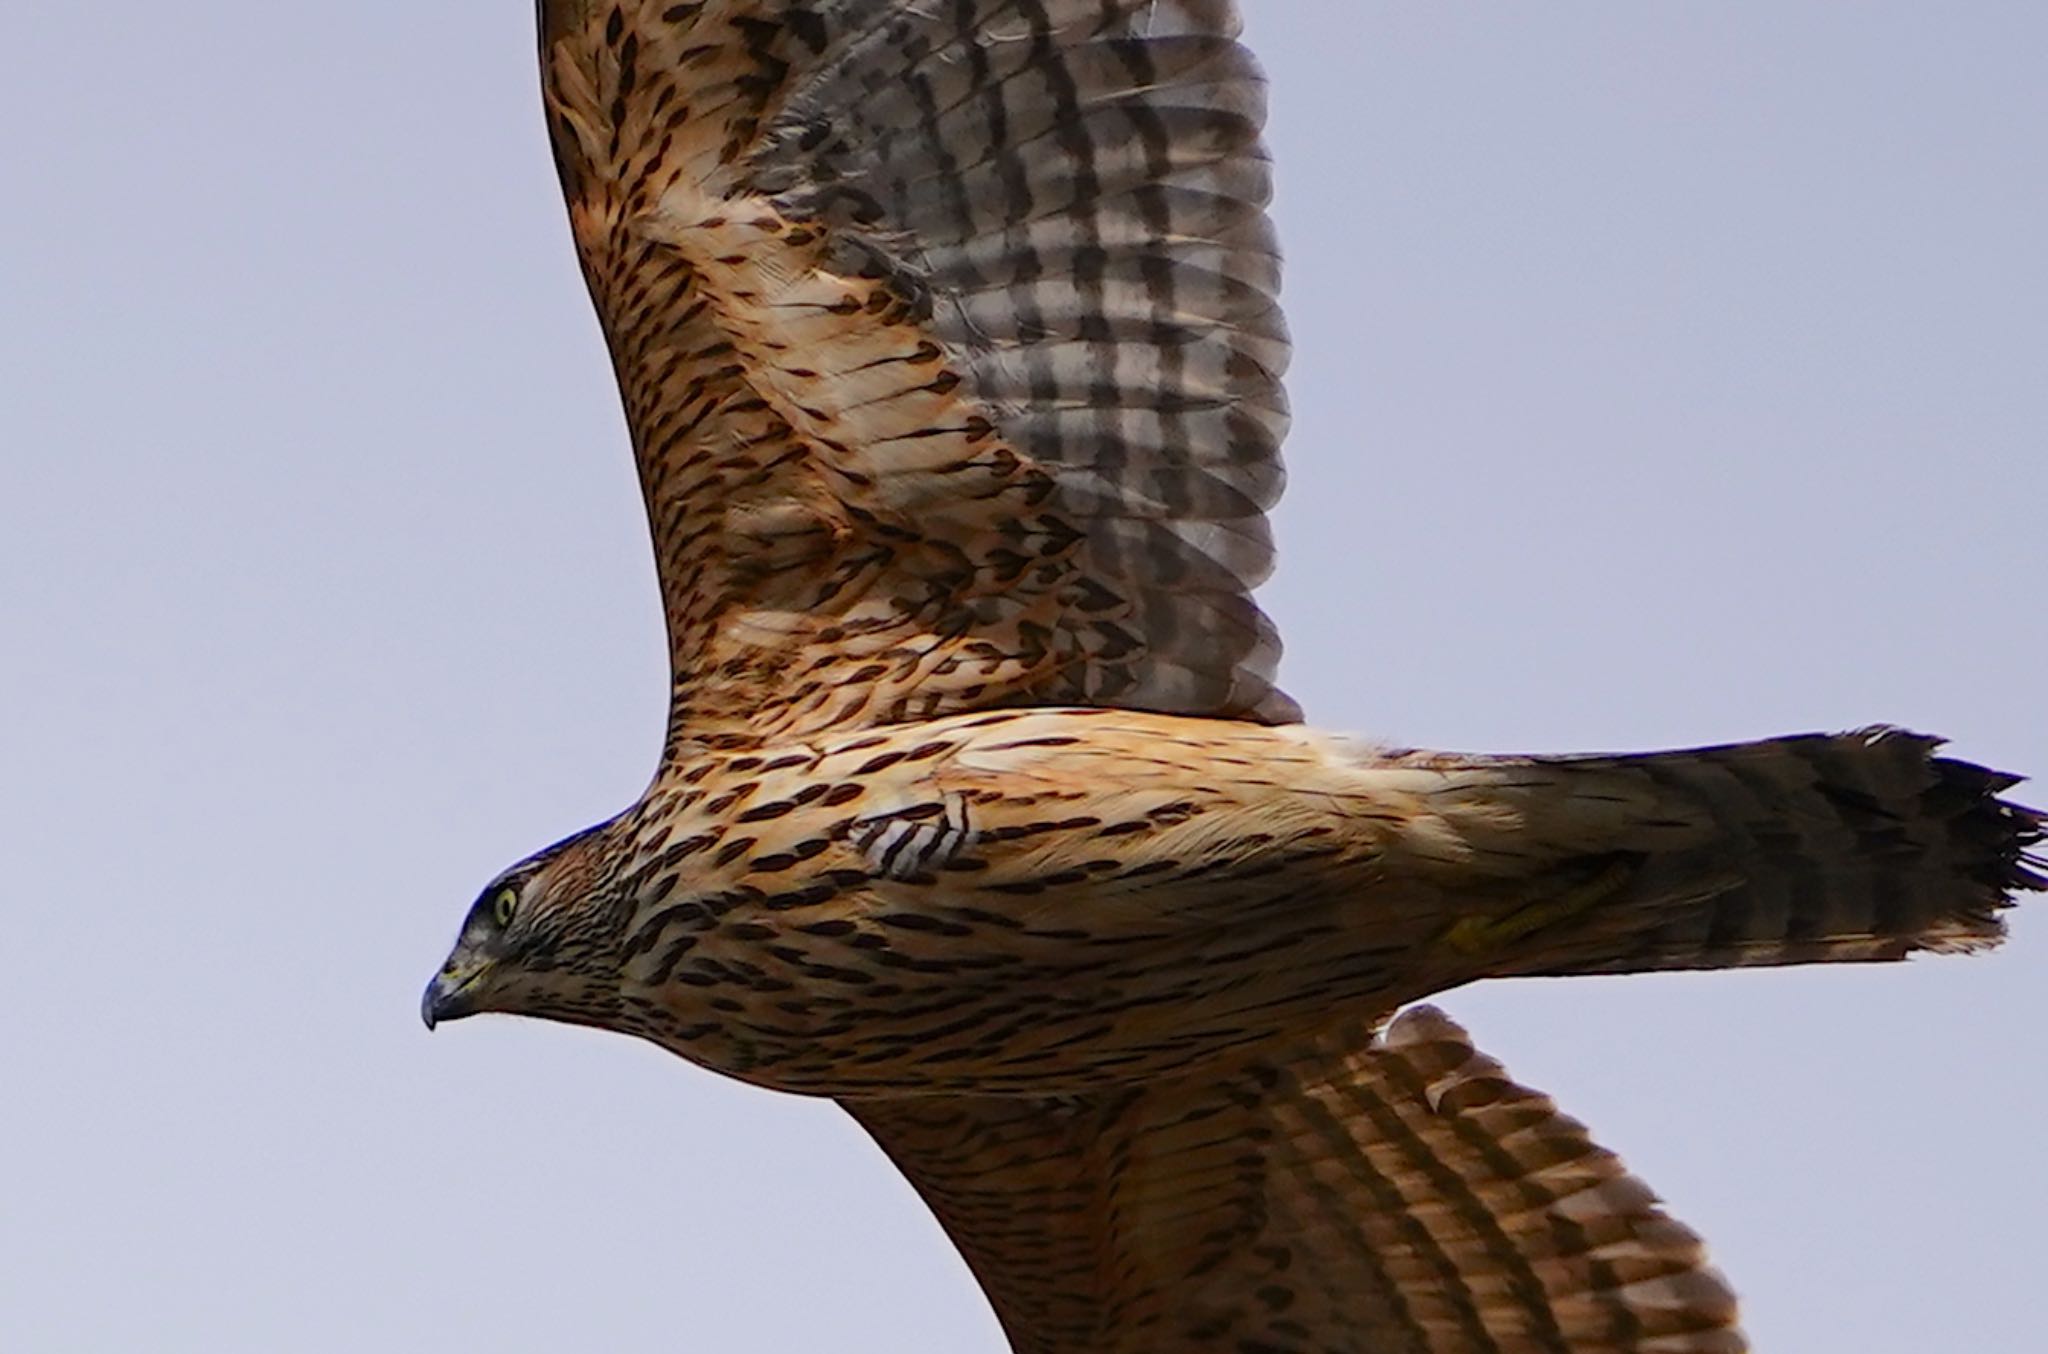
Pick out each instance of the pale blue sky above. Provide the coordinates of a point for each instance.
(1666, 373)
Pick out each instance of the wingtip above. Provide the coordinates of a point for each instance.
(1656, 1268)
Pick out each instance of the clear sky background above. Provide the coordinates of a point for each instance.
(1667, 373)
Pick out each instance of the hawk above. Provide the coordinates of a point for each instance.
(948, 338)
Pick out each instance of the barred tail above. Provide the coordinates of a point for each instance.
(1852, 847)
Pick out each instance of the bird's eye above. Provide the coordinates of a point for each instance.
(503, 906)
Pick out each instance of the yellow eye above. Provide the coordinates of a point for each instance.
(502, 907)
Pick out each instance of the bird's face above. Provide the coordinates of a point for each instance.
(540, 940)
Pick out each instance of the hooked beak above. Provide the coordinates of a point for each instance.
(450, 996)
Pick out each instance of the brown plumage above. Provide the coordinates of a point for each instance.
(949, 344)
(1350, 1192)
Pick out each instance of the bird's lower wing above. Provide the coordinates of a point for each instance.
(1371, 1193)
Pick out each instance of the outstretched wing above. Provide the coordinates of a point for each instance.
(948, 341)
(1368, 1196)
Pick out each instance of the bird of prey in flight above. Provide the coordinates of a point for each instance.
(948, 338)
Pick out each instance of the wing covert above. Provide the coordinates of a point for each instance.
(1392, 1195)
(949, 343)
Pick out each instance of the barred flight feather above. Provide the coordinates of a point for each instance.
(950, 342)
(1352, 1195)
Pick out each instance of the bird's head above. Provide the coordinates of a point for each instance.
(540, 940)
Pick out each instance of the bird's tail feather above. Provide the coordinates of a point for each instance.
(1817, 848)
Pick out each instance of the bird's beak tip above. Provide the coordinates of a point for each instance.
(449, 995)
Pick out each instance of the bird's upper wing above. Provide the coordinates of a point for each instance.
(1392, 1195)
(948, 340)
